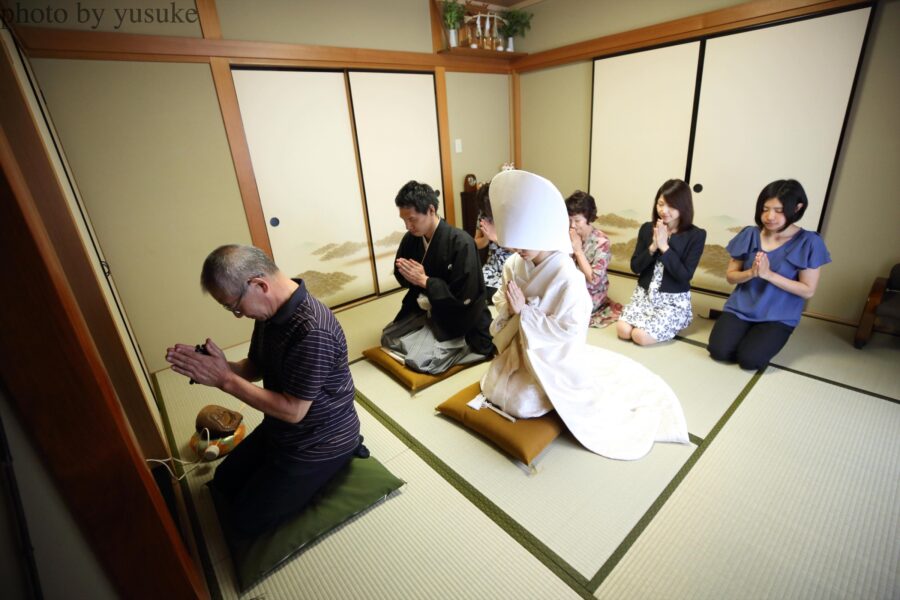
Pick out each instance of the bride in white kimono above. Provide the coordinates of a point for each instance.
(612, 405)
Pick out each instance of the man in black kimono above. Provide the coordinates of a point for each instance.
(444, 318)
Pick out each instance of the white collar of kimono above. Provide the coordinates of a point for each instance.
(529, 212)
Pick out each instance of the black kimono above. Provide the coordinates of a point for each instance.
(455, 288)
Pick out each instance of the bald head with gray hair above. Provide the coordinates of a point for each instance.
(227, 268)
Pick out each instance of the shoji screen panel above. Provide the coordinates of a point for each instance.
(640, 132)
(772, 105)
(397, 131)
(301, 143)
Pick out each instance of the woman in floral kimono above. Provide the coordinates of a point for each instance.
(592, 254)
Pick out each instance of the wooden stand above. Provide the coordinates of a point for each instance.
(481, 53)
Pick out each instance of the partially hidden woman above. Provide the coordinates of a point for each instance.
(775, 266)
(612, 405)
(486, 237)
(665, 257)
(592, 253)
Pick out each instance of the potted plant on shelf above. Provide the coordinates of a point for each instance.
(515, 23)
(453, 13)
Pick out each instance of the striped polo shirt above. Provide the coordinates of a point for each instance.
(301, 351)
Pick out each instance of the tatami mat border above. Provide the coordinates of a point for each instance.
(550, 559)
(804, 373)
(535, 547)
(691, 342)
(638, 529)
(836, 383)
(212, 581)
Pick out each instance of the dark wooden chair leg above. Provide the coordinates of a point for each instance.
(867, 318)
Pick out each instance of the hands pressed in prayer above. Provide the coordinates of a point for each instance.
(481, 240)
(577, 245)
(487, 227)
(209, 369)
(515, 297)
(761, 267)
(412, 271)
(661, 236)
(754, 268)
(654, 246)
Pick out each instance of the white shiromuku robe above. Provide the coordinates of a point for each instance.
(613, 405)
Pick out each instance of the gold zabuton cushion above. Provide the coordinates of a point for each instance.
(524, 440)
(410, 379)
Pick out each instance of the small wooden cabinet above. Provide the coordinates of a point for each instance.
(467, 202)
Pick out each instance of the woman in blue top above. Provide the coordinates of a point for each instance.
(666, 254)
(776, 269)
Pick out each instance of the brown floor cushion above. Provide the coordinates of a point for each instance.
(524, 440)
(408, 378)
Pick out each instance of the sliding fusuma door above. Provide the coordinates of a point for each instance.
(728, 114)
(300, 136)
(330, 150)
(640, 134)
(396, 122)
(772, 106)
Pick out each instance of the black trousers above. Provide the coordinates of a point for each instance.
(262, 487)
(751, 345)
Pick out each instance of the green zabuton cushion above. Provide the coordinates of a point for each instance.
(364, 482)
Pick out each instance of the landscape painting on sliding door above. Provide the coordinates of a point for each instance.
(396, 125)
(639, 138)
(300, 136)
(772, 104)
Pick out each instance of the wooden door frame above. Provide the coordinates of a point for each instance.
(61, 391)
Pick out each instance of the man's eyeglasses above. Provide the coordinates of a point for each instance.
(234, 308)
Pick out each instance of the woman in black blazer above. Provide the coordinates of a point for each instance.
(666, 255)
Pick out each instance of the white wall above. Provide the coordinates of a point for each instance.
(379, 24)
(863, 211)
(556, 124)
(478, 107)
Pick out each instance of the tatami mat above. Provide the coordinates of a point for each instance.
(826, 350)
(620, 288)
(702, 325)
(704, 387)
(425, 541)
(817, 347)
(797, 497)
(579, 505)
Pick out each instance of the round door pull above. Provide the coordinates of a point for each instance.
(698, 188)
(274, 222)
